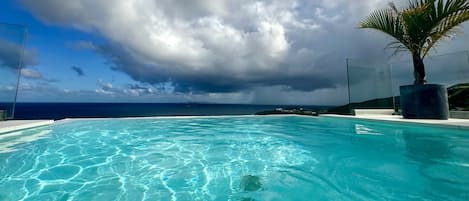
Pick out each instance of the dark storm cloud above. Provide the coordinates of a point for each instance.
(208, 81)
(79, 71)
(204, 47)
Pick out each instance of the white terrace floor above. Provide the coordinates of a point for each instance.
(385, 115)
(13, 125)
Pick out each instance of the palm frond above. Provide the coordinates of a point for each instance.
(386, 21)
(417, 24)
(447, 18)
(394, 7)
(397, 46)
(421, 25)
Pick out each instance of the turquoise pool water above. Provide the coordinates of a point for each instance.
(234, 158)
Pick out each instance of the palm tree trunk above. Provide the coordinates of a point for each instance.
(419, 69)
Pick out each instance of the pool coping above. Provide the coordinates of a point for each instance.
(459, 124)
(16, 125)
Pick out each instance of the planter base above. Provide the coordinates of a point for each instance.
(428, 101)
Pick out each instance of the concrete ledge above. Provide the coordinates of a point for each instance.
(360, 112)
(462, 124)
(14, 125)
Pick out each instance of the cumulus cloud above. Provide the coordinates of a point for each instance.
(106, 88)
(7, 88)
(134, 89)
(31, 73)
(224, 46)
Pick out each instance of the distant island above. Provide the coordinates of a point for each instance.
(458, 98)
(291, 110)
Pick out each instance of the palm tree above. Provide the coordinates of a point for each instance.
(419, 27)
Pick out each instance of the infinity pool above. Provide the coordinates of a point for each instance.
(234, 158)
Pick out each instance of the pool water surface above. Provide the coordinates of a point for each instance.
(234, 158)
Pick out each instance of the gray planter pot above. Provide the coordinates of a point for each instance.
(428, 101)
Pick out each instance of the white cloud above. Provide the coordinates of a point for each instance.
(190, 34)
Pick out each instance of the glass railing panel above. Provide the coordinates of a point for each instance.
(370, 85)
(11, 50)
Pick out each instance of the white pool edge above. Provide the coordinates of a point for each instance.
(459, 124)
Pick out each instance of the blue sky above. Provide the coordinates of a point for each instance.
(55, 56)
(262, 52)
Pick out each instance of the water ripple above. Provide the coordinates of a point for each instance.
(206, 158)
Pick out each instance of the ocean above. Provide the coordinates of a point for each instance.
(110, 110)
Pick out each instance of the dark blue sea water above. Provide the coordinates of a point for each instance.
(80, 110)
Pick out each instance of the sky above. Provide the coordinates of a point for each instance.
(211, 51)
